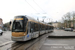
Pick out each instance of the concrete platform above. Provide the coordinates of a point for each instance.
(62, 34)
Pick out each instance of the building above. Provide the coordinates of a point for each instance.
(1, 23)
(58, 25)
(69, 24)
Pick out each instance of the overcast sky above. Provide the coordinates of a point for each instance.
(53, 9)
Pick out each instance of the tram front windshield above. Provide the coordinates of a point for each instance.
(18, 26)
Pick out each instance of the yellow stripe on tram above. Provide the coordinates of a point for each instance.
(18, 19)
(18, 34)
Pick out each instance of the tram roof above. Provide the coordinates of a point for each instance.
(31, 18)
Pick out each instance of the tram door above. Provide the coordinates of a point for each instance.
(39, 29)
(32, 29)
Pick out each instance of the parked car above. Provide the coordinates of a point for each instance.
(68, 29)
(1, 32)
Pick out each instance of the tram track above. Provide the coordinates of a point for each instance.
(30, 43)
(39, 38)
(15, 46)
(34, 42)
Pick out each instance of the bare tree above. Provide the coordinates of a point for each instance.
(67, 19)
(73, 19)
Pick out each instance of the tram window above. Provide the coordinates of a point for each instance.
(31, 27)
(50, 27)
(40, 27)
(36, 27)
(47, 27)
(43, 27)
(28, 26)
(18, 26)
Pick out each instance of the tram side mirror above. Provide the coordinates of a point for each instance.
(10, 23)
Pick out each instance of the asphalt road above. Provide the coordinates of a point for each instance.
(41, 43)
(5, 37)
(12, 45)
(59, 43)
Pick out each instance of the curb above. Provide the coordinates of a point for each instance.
(61, 36)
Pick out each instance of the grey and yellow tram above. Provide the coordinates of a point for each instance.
(25, 28)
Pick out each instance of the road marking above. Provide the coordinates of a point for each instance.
(5, 43)
(54, 44)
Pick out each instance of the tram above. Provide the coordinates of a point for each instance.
(25, 28)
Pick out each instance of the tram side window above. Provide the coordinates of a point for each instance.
(40, 28)
(50, 27)
(46, 27)
(53, 27)
(31, 27)
(36, 27)
(43, 27)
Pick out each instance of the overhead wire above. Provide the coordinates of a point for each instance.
(40, 7)
(31, 5)
(37, 5)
